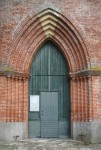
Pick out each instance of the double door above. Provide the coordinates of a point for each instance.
(49, 72)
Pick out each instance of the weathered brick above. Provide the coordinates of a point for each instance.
(21, 35)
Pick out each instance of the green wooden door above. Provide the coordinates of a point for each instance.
(49, 73)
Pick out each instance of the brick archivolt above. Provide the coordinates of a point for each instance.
(48, 25)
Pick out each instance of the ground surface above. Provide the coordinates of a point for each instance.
(48, 144)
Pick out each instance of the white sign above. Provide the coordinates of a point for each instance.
(34, 102)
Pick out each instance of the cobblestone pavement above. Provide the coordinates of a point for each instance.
(49, 144)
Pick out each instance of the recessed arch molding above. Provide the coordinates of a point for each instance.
(48, 25)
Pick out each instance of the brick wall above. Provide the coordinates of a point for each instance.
(16, 56)
(13, 99)
(85, 16)
(79, 99)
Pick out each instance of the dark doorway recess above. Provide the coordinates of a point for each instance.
(50, 85)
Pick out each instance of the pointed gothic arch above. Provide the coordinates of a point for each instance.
(49, 24)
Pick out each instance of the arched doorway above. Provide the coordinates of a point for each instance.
(49, 94)
(35, 30)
